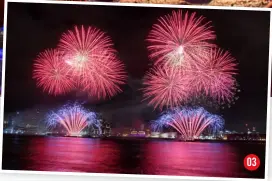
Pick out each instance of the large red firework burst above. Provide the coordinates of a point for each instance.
(82, 46)
(92, 60)
(179, 38)
(215, 76)
(52, 73)
(166, 87)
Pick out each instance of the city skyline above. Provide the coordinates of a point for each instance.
(38, 114)
(26, 123)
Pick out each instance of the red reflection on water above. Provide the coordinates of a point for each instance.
(72, 154)
(190, 159)
(130, 156)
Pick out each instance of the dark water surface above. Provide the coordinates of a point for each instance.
(153, 157)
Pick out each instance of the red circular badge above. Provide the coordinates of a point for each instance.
(252, 162)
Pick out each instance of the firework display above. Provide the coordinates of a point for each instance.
(166, 87)
(214, 76)
(51, 73)
(85, 59)
(126, 89)
(182, 43)
(187, 66)
(82, 46)
(74, 118)
(180, 38)
(189, 122)
(104, 77)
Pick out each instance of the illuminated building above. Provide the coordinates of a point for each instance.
(141, 133)
(137, 133)
(105, 128)
(30, 121)
(147, 133)
(126, 132)
(207, 137)
(155, 134)
(245, 136)
(5, 124)
(169, 135)
(28, 129)
(134, 133)
(96, 133)
(247, 129)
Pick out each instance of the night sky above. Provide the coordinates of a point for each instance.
(32, 28)
(1, 11)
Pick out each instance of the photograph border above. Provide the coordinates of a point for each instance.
(269, 109)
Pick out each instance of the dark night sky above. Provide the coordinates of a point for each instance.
(35, 27)
(1, 11)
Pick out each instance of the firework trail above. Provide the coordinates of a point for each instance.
(74, 118)
(214, 77)
(51, 73)
(166, 87)
(189, 122)
(180, 38)
(92, 59)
